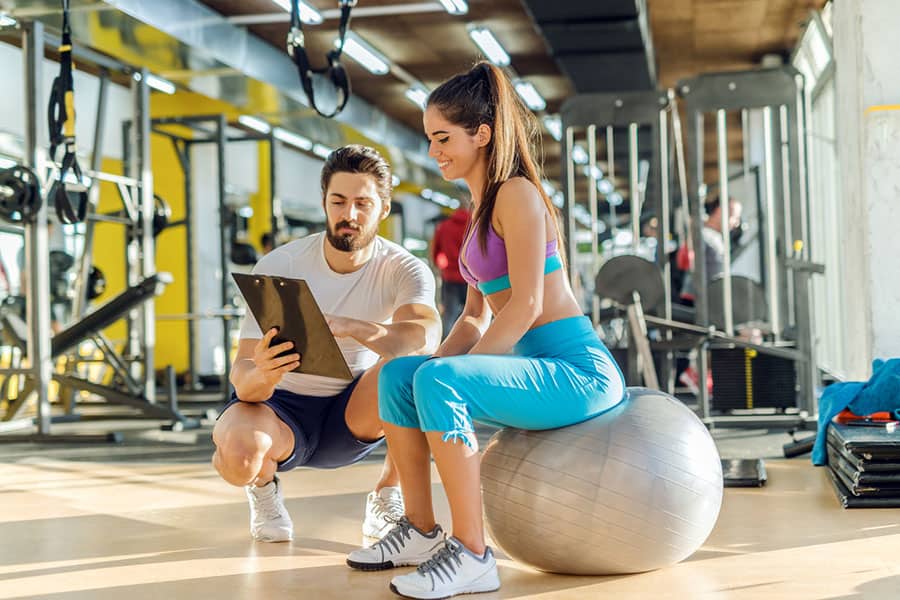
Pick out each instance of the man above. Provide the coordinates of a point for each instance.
(379, 302)
(448, 238)
(714, 251)
(714, 247)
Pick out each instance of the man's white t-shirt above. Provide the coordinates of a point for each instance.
(392, 278)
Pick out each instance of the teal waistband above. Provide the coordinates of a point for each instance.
(553, 263)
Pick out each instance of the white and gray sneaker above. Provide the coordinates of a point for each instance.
(453, 569)
(384, 509)
(404, 545)
(269, 519)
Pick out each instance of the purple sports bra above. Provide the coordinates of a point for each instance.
(489, 271)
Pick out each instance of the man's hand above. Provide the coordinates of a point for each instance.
(340, 326)
(271, 366)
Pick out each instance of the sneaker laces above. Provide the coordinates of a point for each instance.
(443, 562)
(267, 505)
(394, 539)
(391, 509)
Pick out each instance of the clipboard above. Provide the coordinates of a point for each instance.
(289, 305)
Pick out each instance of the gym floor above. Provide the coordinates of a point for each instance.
(149, 518)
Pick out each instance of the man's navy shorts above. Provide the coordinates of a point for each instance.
(321, 437)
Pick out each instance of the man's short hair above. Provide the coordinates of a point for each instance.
(357, 158)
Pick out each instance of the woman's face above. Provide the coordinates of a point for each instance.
(454, 149)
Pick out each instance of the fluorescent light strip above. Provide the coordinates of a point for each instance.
(159, 84)
(455, 7)
(579, 155)
(489, 45)
(321, 151)
(362, 52)
(553, 125)
(292, 139)
(254, 123)
(417, 96)
(8, 21)
(308, 14)
(529, 94)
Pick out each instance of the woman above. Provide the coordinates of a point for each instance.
(559, 372)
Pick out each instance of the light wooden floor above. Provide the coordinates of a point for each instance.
(125, 531)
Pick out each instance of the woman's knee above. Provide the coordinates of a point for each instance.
(396, 402)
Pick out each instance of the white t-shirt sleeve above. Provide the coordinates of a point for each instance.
(414, 283)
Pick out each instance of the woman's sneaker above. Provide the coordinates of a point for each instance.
(384, 509)
(404, 545)
(453, 569)
(269, 519)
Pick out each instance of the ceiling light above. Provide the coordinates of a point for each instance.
(321, 151)
(254, 124)
(455, 7)
(529, 94)
(292, 139)
(162, 85)
(8, 21)
(418, 96)
(308, 14)
(605, 186)
(553, 125)
(615, 199)
(489, 45)
(579, 155)
(362, 52)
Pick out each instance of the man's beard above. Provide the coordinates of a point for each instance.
(349, 242)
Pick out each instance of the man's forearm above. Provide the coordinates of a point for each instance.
(395, 339)
(248, 385)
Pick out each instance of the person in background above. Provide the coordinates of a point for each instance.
(448, 237)
(267, 242)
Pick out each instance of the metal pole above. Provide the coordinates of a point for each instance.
(787, 176)
(592, 202)
(770, 251)
(146, 244)
(221, 131)
(79, 304)
(663, 238)
(806, 370)
(633, 192)
(36, 243)
(569, 168)
(274, 200)
(611, 173)
(725, 208)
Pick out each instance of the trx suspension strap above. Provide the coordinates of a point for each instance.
(334, 70)
(61, 119)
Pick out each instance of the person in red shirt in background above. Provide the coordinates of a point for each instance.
(448, 237)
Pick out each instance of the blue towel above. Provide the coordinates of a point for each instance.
(880, 393)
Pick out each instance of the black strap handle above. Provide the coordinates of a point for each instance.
(334, 70)
(61, 121)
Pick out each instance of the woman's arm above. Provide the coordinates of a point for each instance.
(521, 212)
(471, 324)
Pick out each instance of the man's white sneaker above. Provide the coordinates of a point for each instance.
(384, 509)
(453, 569)
(404, 545)
(269, 519)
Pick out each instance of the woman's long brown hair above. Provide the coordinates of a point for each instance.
(484, 95)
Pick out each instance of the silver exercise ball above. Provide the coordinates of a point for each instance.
(634, 489)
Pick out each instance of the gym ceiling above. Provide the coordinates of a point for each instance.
(561, 46)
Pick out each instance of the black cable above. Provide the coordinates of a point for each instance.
(334, 70)
(61, 121)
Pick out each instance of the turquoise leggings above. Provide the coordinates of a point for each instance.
(560, 374)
